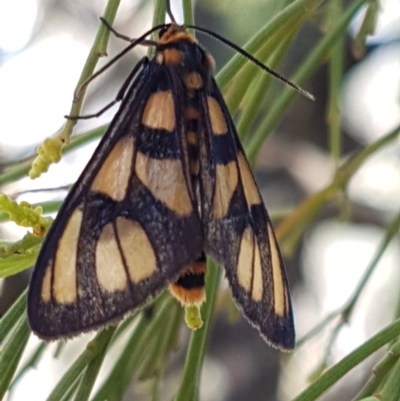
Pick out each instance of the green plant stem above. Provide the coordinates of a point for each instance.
(31, 362)
(391, 388)
(93, 349)
(188, 16)
(92, 371)
(293, 226)
(158, 19)
(113, 387)
(168, 323)
(238, 89)
(190, 382)
(51, 149)
(262, 81)
(12, 352)
(236, 63)
(308, 67)
(335, 79)
(391, 231)
(21, 170)
(380, 371)
(397, 311)
(367, 28)
(99, 49)
(291, 229)
(346, 311)
(159, 14)
(337, 371)
(60, 346)
(68, 396)
(318, 328)
(12, 316)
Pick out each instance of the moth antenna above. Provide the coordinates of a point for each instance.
(255, 61)
(134, 42)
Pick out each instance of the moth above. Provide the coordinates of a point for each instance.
(168, 184)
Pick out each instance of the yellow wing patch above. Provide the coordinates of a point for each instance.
(64, 285)
(137, 249)
(258, 282)
(165, 180)
(113, 176)
(110, 269)
(245, 260)
(46, 285)
(225, 185)
(217, 119)
(250, 188)
(280, 296)
(127, 250)
(159, 112)
(249, 270)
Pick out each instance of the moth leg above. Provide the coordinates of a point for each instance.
(117, 34)
(120, 94)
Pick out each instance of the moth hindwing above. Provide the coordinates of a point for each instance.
(168, 184)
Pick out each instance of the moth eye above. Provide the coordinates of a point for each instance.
(161, 32)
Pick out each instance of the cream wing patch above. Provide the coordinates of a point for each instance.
(110, 270)
(165, 180)
(159, 112)
(225, 185)
(250, 188)
(113, 177)
(46, 285)
(217, 119)
(245, 260)
(137, 249)
(249, 268)
(280, 296)
(64, 283)
(258, 283)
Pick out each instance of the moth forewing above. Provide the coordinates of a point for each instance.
(125, 222)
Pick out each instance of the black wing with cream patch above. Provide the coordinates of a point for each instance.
(238, 230)
(122, 231)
